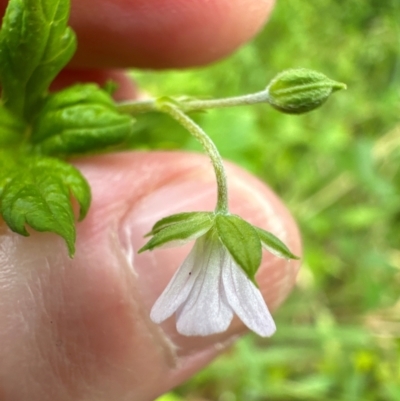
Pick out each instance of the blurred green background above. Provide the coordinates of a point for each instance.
(337, 168)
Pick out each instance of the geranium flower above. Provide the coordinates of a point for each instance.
(216, 280)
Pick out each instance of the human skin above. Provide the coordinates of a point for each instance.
(79, 329)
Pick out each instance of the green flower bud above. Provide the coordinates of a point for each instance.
(300, 90)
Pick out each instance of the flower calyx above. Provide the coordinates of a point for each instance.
(243, 241)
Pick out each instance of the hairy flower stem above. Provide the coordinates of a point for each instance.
(209, 147)
(253, 98)
(145, 106)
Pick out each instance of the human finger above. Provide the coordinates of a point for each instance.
(80, 329)
(161, 33)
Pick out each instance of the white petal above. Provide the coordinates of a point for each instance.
(245, 299)
(206, 310)
(179, 287)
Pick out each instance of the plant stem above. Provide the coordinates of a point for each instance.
(253, 98)
(137, 107)
(209, 147)
(144, 106)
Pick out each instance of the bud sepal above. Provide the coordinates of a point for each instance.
(297, 91)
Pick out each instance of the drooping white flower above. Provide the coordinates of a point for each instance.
(208, 289)
(217, 279)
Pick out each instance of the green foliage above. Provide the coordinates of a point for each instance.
(11, 128)
(337, 168)
(35, 44)
(79, 119)
(36, 191)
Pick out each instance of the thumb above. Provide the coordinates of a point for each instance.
(80, 329)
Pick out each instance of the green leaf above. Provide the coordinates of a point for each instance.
(242, 242)
(35, 44)
(8, 166)
(193, 217)
(79, 119)
(71, 178)
(38, 194)
(274, 244)
(178, 232)
(11, 128)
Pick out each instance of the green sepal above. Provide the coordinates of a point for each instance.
(242, 242)
(11, 128)
(38, 193)
(274, 245)
(298, 91)
(80, 119)
(35, 44)
(180, 231)
(193, 217)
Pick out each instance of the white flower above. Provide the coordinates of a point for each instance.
(208, 289)
(216, 280)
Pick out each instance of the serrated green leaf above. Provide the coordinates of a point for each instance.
(183, 231)
(72, 179)
(194, 217)
(38, 194)
(11, 128)
(79, 119)
(242, 242)
(274, 245)
(35, 44)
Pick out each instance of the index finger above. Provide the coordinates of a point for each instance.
(161, 33)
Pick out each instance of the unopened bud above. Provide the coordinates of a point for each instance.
(300, 90)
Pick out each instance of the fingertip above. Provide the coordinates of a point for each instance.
(91, 314)
(163, 33)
